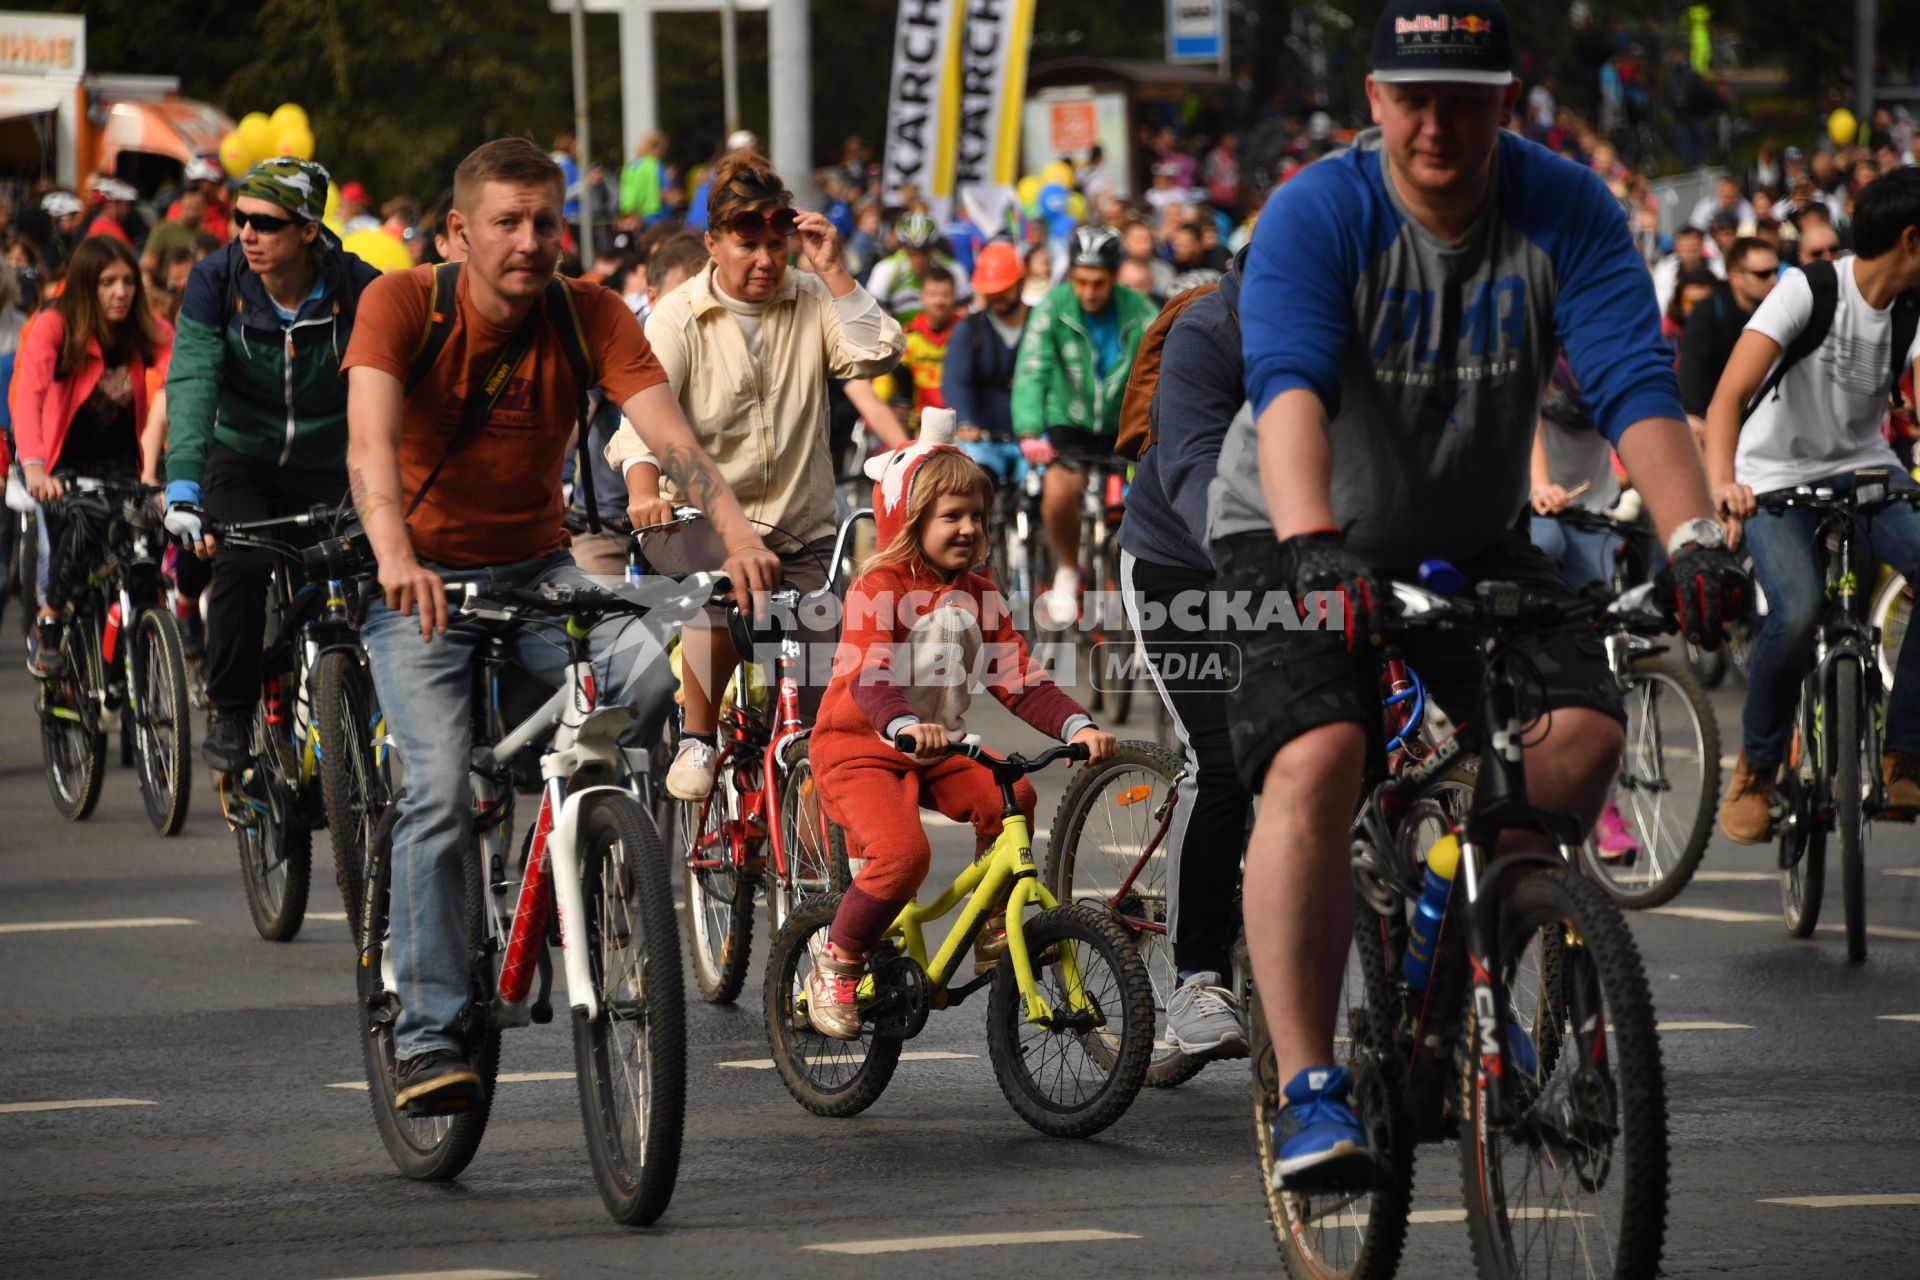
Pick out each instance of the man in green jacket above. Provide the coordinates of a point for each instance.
(257, 411)
(1074, 361)
(640, 181)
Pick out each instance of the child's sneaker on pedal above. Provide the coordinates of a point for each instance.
(990, 943)
(1318, 1144)
(1203, 1020)
(833, 995)
(690, 777)
(1615, 837)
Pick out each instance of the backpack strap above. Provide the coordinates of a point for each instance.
(1906, 324)
(563, 314)
(442, 308)
(1825, 282)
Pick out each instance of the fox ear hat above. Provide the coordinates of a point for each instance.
(893, 472)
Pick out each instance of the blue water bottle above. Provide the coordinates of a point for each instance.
(1443, 860)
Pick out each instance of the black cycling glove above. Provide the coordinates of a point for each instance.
(1703, 589)
(1322, 563)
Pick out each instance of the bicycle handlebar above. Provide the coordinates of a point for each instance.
(1833, 502)
(904, 744)
(652, 594)
(1494, 604)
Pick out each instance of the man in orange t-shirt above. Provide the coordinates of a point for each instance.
(492, 515)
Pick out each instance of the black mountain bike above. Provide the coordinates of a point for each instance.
(122, 655)
(1530, 1039)
(317, 740)
(1832, 782)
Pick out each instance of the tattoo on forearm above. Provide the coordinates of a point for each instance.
(365, 500)
(693, 473)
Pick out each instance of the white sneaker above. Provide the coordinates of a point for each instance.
(1059, 608)
(1204, 1021)
(691, 775)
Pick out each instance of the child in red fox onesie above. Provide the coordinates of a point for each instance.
(921, 624)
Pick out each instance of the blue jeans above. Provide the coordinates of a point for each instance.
(426, 691)
(1583, 555)
(1783, 563)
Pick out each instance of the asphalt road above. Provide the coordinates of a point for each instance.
(250, 1151)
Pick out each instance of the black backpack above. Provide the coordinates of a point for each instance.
(1825, 282)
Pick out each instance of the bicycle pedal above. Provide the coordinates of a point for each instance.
(434, 1105)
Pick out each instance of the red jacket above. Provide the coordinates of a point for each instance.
(44, 405)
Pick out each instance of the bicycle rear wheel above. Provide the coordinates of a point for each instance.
(631, 1059)
(1803, 843)
(828, 1077)
(1099, 842)
(276, 847)
(1668, 784)
(1359, 1235)
(719, 898)
(1847, 745)
(72, 741)
(1578, 1187)
(816, 848)
(431, 1148)
(1892, 608)
(353, 781)
(163, 723)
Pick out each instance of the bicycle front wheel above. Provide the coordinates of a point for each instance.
(1803, 842)
(1668, 783)
(828, 1077)
(719, 898)
(72, 742)
(163, 724)
(1577, 1185)
(1847, 746)
(1110, 848)
(631, 1058)
(353, 779)
(276, 847)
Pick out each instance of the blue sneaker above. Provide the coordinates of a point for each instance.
(1317, 1139)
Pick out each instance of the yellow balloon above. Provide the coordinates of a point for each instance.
(256, 135)
(287, 115)
(1077, 206)
(295, 140)
(379, 250)
(1029, 191)
(1059, 171)
(332, 214)
(1842, 127)
(233, 154)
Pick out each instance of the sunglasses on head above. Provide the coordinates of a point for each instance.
(265, 223)
(751, 224)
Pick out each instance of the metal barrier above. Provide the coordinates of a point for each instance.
(1678, 195)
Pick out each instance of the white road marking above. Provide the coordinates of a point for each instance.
(926, 1055)
(505, 1077)
(1912, 873)
(1737, 877)
(72, 1104)
(914, 1244)
(1721, 916)
(1899, 1017)
(1848, 1202)
(1434, 1217)
(63, 926)
(341, 916)
(1703, 1026)
(451, 1275)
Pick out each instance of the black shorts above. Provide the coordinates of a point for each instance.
(1081, 450)
(1307, 678)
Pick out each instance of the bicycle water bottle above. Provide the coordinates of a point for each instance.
(110, 637)
(1443, 860)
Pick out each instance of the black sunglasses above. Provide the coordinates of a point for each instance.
(265, 223)
(1817, 255)
(751, 224)
(1760, 275)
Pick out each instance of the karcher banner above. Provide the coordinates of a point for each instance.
(959, 78)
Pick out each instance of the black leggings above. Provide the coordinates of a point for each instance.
(238, 488)
(1208, 832)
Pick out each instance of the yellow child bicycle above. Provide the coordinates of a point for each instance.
(1069, 1007)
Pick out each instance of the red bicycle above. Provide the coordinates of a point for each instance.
(762, 822)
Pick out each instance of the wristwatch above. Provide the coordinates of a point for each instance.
(1697, 532)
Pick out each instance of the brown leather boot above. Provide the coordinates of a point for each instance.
(1745, 815)
(1901, 769)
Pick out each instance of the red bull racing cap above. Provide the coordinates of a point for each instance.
(1445, 41)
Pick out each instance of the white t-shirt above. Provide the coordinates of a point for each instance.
(1825, 418)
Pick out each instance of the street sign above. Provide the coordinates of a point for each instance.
(1196, 30)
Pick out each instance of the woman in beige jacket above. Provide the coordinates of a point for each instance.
(748, 346)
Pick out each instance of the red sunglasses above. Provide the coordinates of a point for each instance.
(751, 224)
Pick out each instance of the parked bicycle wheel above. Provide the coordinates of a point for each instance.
(816, 847)
(1892, 607)
(162, 720)
(353, 778)
(72, 740)
(1359, 1235)
(430, 1148)
(631, 1058)
(828, 1077)
(1802, 840)
(276, 847)
(1851, 778)
(1579, 1187)
(1079, 1073)
(1097, 853)
(719, 898)
(1668, 785)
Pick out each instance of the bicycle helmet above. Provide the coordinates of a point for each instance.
(1095, 247)
(916, 231)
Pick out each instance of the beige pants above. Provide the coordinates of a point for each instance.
(603, 555)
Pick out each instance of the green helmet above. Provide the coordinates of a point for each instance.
(916, 231)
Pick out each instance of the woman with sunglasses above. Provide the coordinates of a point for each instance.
(257, 409)
(748, 345)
